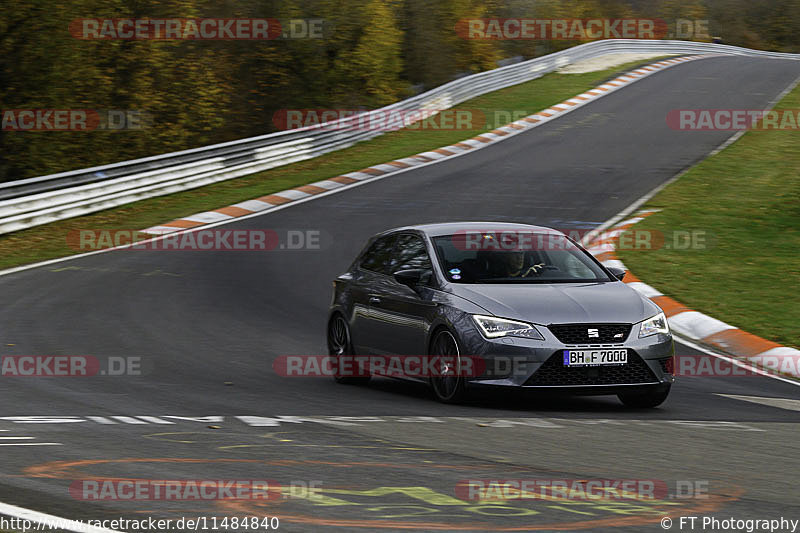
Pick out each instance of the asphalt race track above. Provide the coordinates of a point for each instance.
(207, 326)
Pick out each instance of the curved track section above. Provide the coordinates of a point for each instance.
(208, 326)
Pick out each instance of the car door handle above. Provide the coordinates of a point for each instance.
(374, 300)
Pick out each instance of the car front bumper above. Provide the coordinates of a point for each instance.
(537, 364)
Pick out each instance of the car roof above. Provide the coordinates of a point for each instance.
(450, 228)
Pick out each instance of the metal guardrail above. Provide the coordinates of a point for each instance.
(35, 201)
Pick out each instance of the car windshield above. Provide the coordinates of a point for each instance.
(515, 257)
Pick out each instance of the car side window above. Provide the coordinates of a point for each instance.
(411, 253)
(379, 255)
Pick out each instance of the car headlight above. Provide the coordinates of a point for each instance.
(493, 327)
(653, 325)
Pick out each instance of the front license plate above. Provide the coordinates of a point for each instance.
(595, 357)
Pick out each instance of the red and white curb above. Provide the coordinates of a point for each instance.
(272, 201)
(692, 324)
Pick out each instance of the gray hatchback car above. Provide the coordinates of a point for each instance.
(518, 305)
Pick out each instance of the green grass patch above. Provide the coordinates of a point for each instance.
(747, 199)
(49, 241)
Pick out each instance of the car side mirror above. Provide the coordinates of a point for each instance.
(410, 277)
(618, 273)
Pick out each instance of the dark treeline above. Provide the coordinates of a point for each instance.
(373, 52)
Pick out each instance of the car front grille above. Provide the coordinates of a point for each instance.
(585, 333)
(553, 373)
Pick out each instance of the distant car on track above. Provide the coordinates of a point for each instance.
(538, 310)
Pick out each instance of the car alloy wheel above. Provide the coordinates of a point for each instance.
(450, 386)
(339, 346)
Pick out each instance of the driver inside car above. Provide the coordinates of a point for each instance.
(514, 265)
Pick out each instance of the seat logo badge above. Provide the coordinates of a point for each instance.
(618, 336)
(593, 333)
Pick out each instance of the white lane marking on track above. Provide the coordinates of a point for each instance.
(4, 441)
(101, 420)
(256, 421)
(155, 420)
(128, 420)
(33, 444)
(48, 520)
(780, 403)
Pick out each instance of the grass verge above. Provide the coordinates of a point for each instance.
(49, 241)
(747, 200)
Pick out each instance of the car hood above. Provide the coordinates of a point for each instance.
(560, 303)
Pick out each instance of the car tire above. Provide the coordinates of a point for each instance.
(649, 398)
(449, 389)
(340, 345)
